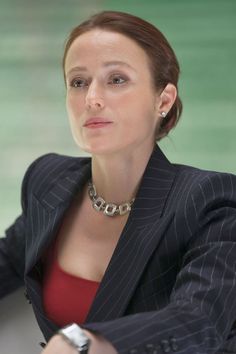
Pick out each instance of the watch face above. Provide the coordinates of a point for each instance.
(76, 337)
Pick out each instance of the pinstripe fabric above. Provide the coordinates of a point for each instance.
(171, 282)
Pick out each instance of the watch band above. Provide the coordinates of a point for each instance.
(76, 337)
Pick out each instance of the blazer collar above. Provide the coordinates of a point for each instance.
(68, 185)
(154, 188)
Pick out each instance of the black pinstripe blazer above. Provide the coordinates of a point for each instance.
(171, 283)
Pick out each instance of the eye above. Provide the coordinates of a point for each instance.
(78, 83)
(117, 80)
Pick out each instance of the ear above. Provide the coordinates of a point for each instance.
(166, 99)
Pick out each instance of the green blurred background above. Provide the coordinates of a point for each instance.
(32, 94)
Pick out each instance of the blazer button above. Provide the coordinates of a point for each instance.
(42, 344)
(27, 296)
(165, 346)
(173, 344)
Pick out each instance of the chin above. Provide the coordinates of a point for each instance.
(95, 149)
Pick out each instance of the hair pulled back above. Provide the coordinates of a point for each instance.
(164, 65)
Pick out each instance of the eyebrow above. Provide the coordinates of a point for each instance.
(105, 64)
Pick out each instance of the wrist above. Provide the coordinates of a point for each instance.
(76, 337)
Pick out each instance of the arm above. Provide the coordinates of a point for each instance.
(98, 345)
(12, 252)
(202, 306)
(12, 247)
(11, 262)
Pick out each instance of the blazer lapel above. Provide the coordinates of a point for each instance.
(140, 237)
(50, 208)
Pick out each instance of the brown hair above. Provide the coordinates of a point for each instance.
(164, 64)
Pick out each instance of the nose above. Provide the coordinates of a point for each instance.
(94, 99)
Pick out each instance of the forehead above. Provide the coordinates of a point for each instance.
(99, 45)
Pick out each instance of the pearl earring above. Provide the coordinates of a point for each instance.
(163, 114)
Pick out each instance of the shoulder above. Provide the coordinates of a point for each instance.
(48, 169)
(210, 184)
(57, 161)
(202, 197)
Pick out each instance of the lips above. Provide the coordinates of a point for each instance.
(96, 121)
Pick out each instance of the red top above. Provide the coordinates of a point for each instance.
(66, 298)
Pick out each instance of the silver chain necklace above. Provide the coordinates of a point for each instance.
(109, 209)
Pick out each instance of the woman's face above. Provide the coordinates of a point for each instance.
(111, 102)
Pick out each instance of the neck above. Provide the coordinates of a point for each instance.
(117, 177)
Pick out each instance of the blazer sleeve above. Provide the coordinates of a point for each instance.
(202, 307)
(12, 246)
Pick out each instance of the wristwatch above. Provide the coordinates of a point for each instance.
(75, 336)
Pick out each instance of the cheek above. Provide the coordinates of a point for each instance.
(74, 103)
(69, 104)
(72, 113)
(140, 106)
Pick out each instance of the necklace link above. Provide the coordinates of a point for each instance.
(109, 209)
(99, 204)
(125, 208)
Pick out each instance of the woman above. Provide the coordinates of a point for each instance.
(139, 252)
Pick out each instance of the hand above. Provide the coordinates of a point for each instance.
(58, 345)
(99, 345)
